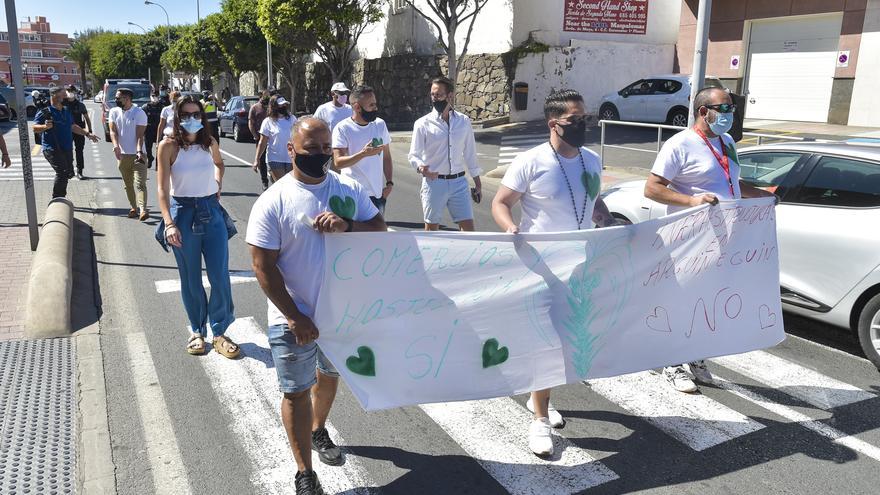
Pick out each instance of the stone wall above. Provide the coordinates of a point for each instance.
(402, 85)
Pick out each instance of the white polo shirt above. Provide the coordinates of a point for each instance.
(126, 123)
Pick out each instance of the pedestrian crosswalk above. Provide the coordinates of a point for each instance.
(513, 145)
(40, 167)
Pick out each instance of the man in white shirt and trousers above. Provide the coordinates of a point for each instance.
(442, 149)
(337, 109)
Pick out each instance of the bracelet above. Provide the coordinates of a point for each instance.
(172, 226)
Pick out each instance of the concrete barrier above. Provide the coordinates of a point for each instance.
(51, 280)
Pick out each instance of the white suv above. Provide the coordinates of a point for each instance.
(656, 99)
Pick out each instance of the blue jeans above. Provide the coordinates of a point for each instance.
(203, 234)
(296, 364)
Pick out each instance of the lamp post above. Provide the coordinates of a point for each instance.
(149, 69)
(198, 22)
(168, 24)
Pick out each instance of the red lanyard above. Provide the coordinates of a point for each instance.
(723, 160)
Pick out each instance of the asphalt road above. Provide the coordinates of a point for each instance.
(799, 418)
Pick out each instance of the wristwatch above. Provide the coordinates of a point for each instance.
(389, 183)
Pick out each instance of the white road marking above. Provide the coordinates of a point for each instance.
(240, 160)
(531, 138)
(695, 420)
(495, 433)
(810, 386)
(163, 455)
(248, 388)
(818, 427)
(235, 277)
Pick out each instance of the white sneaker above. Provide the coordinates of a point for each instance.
(700, 372)
(556, 419)
(679, 379)
(540, 437)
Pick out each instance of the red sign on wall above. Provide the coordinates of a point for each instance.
(606, 16)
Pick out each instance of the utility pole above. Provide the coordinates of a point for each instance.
(23, 134)
(269, 82)
(149, 69)
(199, 21)
(701, 45)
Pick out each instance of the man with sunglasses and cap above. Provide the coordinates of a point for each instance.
(337, 109)
(696, 166)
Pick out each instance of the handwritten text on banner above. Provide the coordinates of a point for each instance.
(410, 317)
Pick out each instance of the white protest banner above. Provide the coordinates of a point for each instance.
(416, 317)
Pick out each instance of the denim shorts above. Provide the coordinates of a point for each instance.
(286, 166)
(439, 194)
(296, 364)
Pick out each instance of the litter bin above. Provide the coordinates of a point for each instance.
(520, 95)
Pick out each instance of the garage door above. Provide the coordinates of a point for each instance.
(791, 68)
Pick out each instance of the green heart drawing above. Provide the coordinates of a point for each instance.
(591, 182)
(492, 354)
(364, 363)
(345, 208)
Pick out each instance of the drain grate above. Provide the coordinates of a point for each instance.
(37, 417)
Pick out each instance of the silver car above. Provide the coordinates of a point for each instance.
(828, 228)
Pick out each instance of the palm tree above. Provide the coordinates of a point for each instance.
(81, 53)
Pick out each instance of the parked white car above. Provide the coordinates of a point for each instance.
(658, 99)
(826, 223)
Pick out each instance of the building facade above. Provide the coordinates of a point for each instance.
(804, 60)
(41, 54)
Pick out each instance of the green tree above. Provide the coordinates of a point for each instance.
(117, 55)
(80, 52)
(234, 29)
(331, 28)
(447, 17)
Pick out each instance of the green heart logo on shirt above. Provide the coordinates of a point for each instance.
(492, 354)
(591, 182)
(364, 363)
(344, 208)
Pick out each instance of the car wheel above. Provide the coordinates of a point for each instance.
(220, 128)
(678, 117)
(13, 116)
(869, 330)
(609, 112)
(236, 134)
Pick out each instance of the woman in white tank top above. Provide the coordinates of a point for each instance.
(190, 175)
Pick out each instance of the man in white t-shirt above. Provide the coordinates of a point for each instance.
(696, 166)
(337, 109)
(361, 147)
(166, 118)
(128, 123)
(286, 237)
(558, 184)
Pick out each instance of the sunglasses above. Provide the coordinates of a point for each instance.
(723, 107)
(187, 115)
(573, 119)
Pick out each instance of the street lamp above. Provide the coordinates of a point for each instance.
(168, 24)
(149, 69)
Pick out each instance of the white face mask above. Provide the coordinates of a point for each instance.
(342, 99)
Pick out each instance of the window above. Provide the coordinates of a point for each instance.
(767, 169)
(842, 182)
(667, 86)
(29, 37)
(34, 69)
(32, 53)
(4, 36)
(74, 70)
(398, 6)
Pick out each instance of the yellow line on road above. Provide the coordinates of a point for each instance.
(36, 150)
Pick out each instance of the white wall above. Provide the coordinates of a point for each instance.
(546, 16)
(862, 110)
(594, 68)
(408, 32)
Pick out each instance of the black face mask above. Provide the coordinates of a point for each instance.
(575, 134)
(369, 116)
(119, 103)
(439, 105)
(314, 166)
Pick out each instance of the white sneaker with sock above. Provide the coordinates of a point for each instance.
(540, 437)
(556, 419)
(679, 379)
(700, 371)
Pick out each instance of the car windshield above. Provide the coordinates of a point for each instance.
(141, 93)
(767, 169)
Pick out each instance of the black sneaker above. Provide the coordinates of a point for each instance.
(79, 176)
(327, 451)
(307, 483)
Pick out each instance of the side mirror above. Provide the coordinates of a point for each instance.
(624, 93)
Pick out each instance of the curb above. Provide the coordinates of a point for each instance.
(96, 473)
(51, 280)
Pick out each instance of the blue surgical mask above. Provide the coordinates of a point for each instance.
(723, 123)
(191, 125)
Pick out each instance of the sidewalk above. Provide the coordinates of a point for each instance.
(813, 128)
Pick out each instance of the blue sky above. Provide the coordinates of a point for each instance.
(76, 15)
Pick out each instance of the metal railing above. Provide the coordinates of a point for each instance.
(661, 127)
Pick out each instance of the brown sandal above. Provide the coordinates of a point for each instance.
(195, 345)
(226, 347)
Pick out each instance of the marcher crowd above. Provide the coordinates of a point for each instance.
(343, 151)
